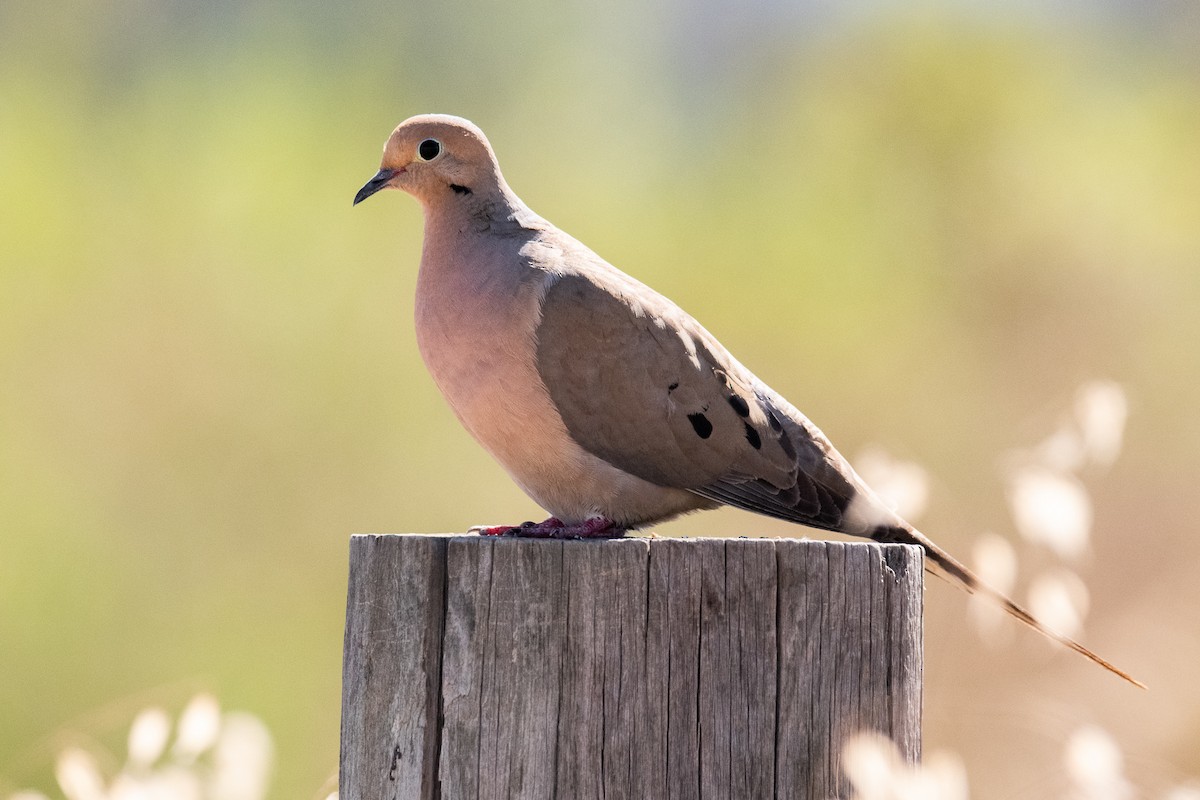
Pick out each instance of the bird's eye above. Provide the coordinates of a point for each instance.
(429, 149)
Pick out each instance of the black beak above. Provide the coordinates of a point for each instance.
(374, 185)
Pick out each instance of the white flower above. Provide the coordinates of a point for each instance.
(198, 726)
(78, 776)
(1101, 409)
(1060, 600)
(902, 485)
(242, 759)
(148, 737)
(1095, 766)
(995, 562)
(1051, 508)
(877, 772)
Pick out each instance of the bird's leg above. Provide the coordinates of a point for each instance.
(555, 528)
(592, 528)
(514, 530)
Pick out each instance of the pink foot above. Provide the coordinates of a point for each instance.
(555, 528)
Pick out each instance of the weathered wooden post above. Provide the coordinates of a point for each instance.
(634, 669)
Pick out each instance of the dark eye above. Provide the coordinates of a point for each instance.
(429, 149)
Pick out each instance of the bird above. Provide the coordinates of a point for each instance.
(608, 404)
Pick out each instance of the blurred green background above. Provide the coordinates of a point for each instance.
(925, 225)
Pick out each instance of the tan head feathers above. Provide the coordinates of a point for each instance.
(433, 154)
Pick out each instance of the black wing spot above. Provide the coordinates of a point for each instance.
(739, 405)
(785, 442)
(752, 437)
(673, 386)
(459, 189)
(700, 425)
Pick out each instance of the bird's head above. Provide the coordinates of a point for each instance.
(434, 156)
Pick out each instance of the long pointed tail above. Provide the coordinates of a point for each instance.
(946, 565)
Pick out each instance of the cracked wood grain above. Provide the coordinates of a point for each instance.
(631, 669)
(391, 668)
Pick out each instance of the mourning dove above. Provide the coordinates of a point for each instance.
(607, 403)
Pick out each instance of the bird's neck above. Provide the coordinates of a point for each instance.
(490, 225)
(461, 211)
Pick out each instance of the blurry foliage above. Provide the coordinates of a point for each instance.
(213, 755)
(926, 228)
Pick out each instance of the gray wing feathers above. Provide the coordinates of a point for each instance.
(643, 386)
